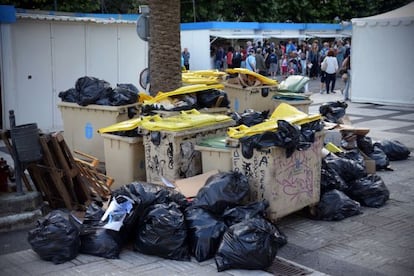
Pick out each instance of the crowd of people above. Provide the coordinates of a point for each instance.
(309, 58)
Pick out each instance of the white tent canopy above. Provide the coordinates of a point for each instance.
(382, 59)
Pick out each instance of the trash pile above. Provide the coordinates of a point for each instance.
(218, 223)
(91, 90)
(197, 96)
(346, 183)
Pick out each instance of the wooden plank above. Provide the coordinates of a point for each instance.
(50, 162)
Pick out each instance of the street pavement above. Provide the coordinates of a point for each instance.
(378, 242)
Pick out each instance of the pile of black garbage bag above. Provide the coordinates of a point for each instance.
(207, 98)
(218, 223)
(345, 185)
(91, 90)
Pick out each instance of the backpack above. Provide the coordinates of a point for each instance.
(272, 58)
(237, 58)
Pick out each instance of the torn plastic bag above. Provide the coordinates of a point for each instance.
(96, 240)
(250, 117)
(252, 210)
(239, 213)
(221, 191)
(333, 111)
(143, 195)
(330, 179)
(364, 143)
(287, 136)
(348, 169)
(124, 94)
(55, 238)
(335, 205)
(71, 95)
(116, 212)
(91, 90)
(394, 149)
(205, 231)
(381, 160)
(212, 98)
(250, 244)
(163, 232)
(370, 191)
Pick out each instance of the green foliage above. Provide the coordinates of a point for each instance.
(299, 11)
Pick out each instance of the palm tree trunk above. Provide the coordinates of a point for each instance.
(165, 45)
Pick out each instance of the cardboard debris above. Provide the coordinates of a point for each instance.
(190, 186)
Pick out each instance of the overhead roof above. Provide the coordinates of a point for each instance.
(403, 14)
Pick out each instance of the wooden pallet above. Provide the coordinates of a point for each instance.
(99, 183)
(58, 176)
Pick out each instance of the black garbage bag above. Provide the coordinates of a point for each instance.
(212, 98)
(143, 195)
(163, 232)
(307, 133)
(205, 231)
(287, 136)
(221, 191)
(370, 191)
(348, 169)
(71, 95)
(240, 213)
(96, 240)
(335, 205)
(381, 160)
(394, 149)
(333, 111)
(252, 210)
(330, 179)
(92, 89)
(55, 238)
(250, 117)
(124, 94)
(250, 244)
(365, 144)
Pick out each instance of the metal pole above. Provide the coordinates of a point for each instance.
(17, 165)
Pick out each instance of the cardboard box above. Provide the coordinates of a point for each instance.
(370, 166)
(288, 184)
(190, 186)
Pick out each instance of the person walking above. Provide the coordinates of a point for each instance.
(251, 61)
(186, 57)
(330, 66)
(347, 65)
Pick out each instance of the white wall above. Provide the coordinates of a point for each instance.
(55, 54)
(198, 44)
(382, 63)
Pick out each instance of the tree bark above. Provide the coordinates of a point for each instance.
(164, 45)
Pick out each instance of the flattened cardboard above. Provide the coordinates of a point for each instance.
(190, 186)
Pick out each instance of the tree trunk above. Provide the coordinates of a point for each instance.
(165, 45)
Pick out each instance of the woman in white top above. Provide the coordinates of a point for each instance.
(330, 66)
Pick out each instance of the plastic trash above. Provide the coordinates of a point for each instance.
(333, 111)
(221, 191)
(335, 205)
(96, 240)
(394, 149)
(348, 169)
(294, 84)
(250, 244)
(205, 231)
(380, 158)
(330, 179)
(370, 191)
(163, 232)
(55, 238)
